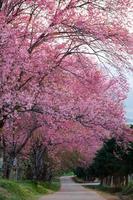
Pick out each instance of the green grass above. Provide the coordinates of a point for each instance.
(25, 190)
(125, 193)
(102, 188)
(128, 189)
(68, 174)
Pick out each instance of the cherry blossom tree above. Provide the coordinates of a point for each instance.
(48, 32)
(55, 60)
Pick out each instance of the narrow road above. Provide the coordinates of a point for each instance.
(72, 191)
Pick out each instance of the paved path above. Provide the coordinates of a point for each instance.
(72, 191)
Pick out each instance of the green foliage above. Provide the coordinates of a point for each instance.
(103, 188)
(53, 186)
(131, 126)
(125, 193)
(24, 190)
(17, 189)
(69, 173)
(128, 189)
(80, 172)
(106, 159)
(112, 160)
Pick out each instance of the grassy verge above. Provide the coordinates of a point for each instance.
(26, 190)
(68, 174)
(125, 193)
(111, 190)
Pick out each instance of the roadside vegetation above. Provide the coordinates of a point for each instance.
(113, 167)
(26, 190)
(125, 193)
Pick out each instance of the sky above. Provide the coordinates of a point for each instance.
(129, 100)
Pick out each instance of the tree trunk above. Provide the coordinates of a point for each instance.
(7, 165)
(101, 181)
(126, 180)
